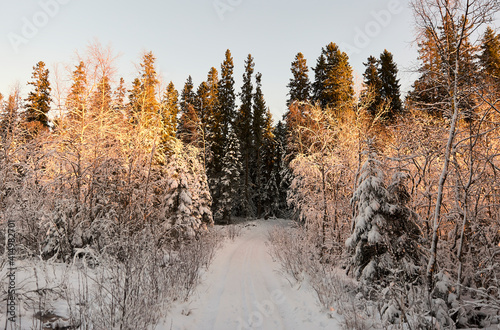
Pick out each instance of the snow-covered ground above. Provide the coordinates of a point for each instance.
(244, 289)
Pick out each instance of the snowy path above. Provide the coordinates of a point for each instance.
(244, 290)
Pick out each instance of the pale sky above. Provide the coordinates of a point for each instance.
(188, 37)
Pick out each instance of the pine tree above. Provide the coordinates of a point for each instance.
(373, 84)
(389, 84)
(299, 86)
(226, 94)
(244, 133)
(38, 101)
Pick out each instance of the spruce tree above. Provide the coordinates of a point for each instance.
(270, 180)
(389, 91)
(230, 180)
(299, 86)
(384, 243)
(143, 95)
(149, 83)
(428, 90)
(186, 128)
(281, 171)
(338, 89)
(258, 114)
(77, 98)
(320, 74)
(103, 97)
(188, 95)
(373, 83)
(467, 72)
(227, 96)
(214, 118)
(489, 58)
(202, 106)
(187, 199)
(433, 90)
(135, 101)
(301, 90)
(333, 85)
(215, 136)
(38, 101)
(203, 112)
(258, 127)
(371, 201)
(244, 132)
(9, 115)
(169, 111)
(119, 96)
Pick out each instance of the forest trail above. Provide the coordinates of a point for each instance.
(244, 289)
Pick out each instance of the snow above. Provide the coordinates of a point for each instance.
(243, 289)
(374, 235)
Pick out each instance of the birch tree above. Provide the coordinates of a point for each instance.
(463, 17)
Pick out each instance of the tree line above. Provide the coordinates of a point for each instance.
(403, 194)
(406, 189)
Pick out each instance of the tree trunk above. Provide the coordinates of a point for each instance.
(431, 266)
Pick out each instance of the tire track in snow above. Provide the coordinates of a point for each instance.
(244, 290)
